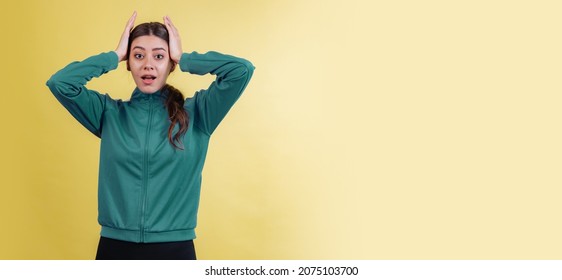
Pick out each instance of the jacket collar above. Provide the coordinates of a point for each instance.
(139, 95)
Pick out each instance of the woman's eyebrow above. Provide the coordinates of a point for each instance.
(154, 49)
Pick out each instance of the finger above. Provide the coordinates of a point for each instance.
(133, 17)
(131, 21)
(171, 25)
(167, 23)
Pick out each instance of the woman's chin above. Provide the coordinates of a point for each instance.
(148, 89)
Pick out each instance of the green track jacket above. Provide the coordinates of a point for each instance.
(148, 191)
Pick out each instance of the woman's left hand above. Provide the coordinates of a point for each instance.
(175, 41)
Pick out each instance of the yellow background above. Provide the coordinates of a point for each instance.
(371, 129)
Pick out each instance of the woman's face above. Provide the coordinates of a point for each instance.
(149, 62)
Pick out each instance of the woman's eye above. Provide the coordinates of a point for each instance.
(159, 56)
(138, 56)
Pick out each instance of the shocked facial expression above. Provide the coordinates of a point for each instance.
(149, 62)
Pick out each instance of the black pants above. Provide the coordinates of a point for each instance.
(112, 249)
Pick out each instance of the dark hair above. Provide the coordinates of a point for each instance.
(174, 100)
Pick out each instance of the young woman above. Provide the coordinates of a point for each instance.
(153, 146)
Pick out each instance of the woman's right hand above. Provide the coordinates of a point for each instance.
(121, 49)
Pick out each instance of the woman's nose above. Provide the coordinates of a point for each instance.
(148, 64)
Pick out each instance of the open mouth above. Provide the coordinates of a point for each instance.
(148, 79)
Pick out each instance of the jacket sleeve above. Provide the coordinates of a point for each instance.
(68, 86)
(232, 77)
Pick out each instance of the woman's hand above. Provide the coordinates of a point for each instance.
(175, 41)
(121, 49)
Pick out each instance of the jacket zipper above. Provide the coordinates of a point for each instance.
(145, 171)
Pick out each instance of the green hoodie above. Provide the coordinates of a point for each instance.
(147, 190)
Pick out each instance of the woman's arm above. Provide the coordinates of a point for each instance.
(233, 75)
(69, 84)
